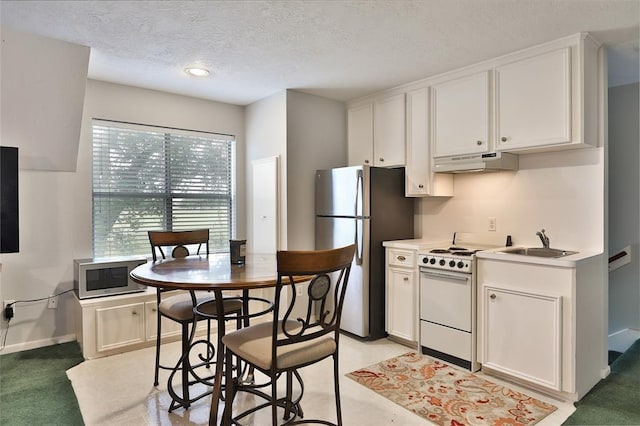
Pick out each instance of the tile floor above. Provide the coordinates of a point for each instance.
(118, 390)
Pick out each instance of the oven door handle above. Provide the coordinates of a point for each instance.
(450, 276)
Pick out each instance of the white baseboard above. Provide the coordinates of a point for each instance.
(19, 347)
(621, 340)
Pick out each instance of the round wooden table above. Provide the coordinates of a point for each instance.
(215, 273)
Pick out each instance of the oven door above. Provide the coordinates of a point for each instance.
(446, 298)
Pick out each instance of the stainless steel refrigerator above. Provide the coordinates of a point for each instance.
(366, 206)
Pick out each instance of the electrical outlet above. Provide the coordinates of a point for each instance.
(299, 290)
(53, 302)
(492, 224)
(9, 302)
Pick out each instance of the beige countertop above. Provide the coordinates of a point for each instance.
(415, 244)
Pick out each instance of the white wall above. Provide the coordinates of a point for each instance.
(562, 192)
(308, 133)
(624, 205)
(316, 139)
(55, 207)
(266, 133)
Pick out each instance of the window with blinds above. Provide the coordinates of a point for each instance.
(152, 178)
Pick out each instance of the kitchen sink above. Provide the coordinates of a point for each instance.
(538, 252)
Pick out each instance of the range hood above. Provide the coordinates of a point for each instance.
(490, 162)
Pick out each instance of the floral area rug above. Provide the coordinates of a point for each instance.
(449, 396)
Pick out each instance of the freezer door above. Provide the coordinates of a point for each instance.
(339, 232)
(342, 191)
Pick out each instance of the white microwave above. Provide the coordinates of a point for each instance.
(105, 276)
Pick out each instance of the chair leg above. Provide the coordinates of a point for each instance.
(185, 363)
(274, 399)
(336, 380)
(238, 361)
(229, 389)
(158, 341)
(288, 404)
(209, 354)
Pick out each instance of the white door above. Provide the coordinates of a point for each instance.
(389, 126)
(265, 201)
(401, 296)
(460, 115)
(523, 335)
(534, 101)
(360, 135)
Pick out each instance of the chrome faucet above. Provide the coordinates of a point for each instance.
(543, 238)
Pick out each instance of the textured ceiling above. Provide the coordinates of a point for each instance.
(336, 49)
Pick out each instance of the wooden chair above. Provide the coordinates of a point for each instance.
(290, 342)
(179, 308)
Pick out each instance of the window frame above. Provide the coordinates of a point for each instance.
(171, 195)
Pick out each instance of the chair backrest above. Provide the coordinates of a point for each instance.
(329, 272)
(178, 240)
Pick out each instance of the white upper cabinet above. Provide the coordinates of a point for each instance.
(533, 101)
(389, 131)
(460, 116)
(419, 180)
(360, 135)
(376, 132)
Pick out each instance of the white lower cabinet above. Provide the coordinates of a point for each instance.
(169, 328)
(402, 296)
(523, 335)
(118, 326)
(115, 324)
(401, 318)
(543, 325)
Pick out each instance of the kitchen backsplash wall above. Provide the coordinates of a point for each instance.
(562, 192)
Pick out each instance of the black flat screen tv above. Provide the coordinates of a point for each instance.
(9, 229)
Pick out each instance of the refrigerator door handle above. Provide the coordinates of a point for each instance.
(359, 241)
(359, 194)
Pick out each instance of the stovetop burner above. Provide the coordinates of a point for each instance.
(461, 251)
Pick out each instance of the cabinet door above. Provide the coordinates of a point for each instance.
(533, 102)
(119, 326)
(419, 180)
(169, 327)
(460, 116)
(401, 297)
(360, 135)
(523, 335)
(389, 131)
(418, 158)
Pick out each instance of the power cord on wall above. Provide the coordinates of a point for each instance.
(9, 312)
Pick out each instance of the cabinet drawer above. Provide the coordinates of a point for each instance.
(401, 258)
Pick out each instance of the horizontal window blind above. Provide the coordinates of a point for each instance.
(147, 178)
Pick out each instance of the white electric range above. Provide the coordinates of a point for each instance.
(448, 297)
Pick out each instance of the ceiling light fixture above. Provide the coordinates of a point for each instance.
(197, 72)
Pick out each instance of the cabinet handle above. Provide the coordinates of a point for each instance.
(406, 278)
(492, 296)
(401, 258)
(478, 142)
(503, 139)
(135, 312)
(366, 161)
(381, 159)
(421, 186)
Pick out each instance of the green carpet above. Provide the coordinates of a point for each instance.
(34, 388)
(616, 399)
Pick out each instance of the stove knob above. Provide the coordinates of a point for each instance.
(442, 262)
(425, 260)
(461, 264)
(432, 261)
(452, 263)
